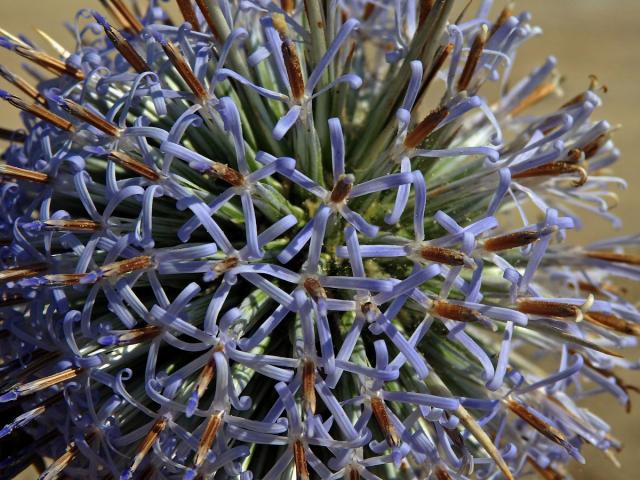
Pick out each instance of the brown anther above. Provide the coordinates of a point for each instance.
(591, 148)
(147, 442)
(208, 437)
(613, 322)
(138, 335)
(309, 386)
(294, 70)
(342, 188)
(423, 129)
(351, 472)
(123, 267)
(384, 422)
(446, 256)
(300, 460)
(46, 382)
(314, 288)
(425, 8)
(207, 374)
(184, 69)
(126, 49)
(441, 473)
(547, 473)
(441, 57)
(206, 13)
(188, 13)
(551, 309)
(614, 257)
(604, 287)
(71, 225)
(288, 6)
(86, 115)
(127, 162)
(124, 15)
(21, 84)
(511, 240)
(502, 18)
(456, 312)
(12, 135)
(17, 273)
(17, 173)
(225, 265)
(54, 470)
(40, 112)
(618, 381)
(475, 52)
(226, 173)
(574, 155)
(554, 169)
(48, 62)
(538, 94)
(538, 424)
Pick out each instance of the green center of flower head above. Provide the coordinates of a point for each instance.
(295, 240)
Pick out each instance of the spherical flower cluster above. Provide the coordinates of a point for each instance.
(303, 239)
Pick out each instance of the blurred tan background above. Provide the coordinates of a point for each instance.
(600, 37)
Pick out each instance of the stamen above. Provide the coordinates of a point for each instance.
(18, 273)
(538, 424)
(472, 59)
(130, 337)
(511, 240)
(446, 256)
(225, 265)
(384, 422)
(62, 462)
(188, 13)
(183, 68)
(48, 62)
(124, 267)
(207, 438)
(206, 13)
(554, 169)
(136, 166)
(71, 225)
(226, 173)
(442, 473)
(425, 8)
(613, 322)
(146, 444)
(456, 312)
(30, 415)
(309, 386)
(591, 148)
(554, 309)
(342, 188)
(12, 135)
(618, 381)
(122, 45)
(574, 155)
(369, 7)
(537, 95)
(37, 110)
(503, 17)
(207, 374)
(547, 473)
(17, 173)
(291, 59)
(40, 384)
(614, 257)
(463, 12)
(300, 460)
(314, 288)
(21, 84)
(288, 6)
(351, 472)
(421, 131)
(86, 115)
(63, 52)
(435, 68)
(64, 279)
(124, 15)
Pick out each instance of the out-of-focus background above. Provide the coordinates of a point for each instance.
(600, 37)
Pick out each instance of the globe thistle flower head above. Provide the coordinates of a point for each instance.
(303, 239)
